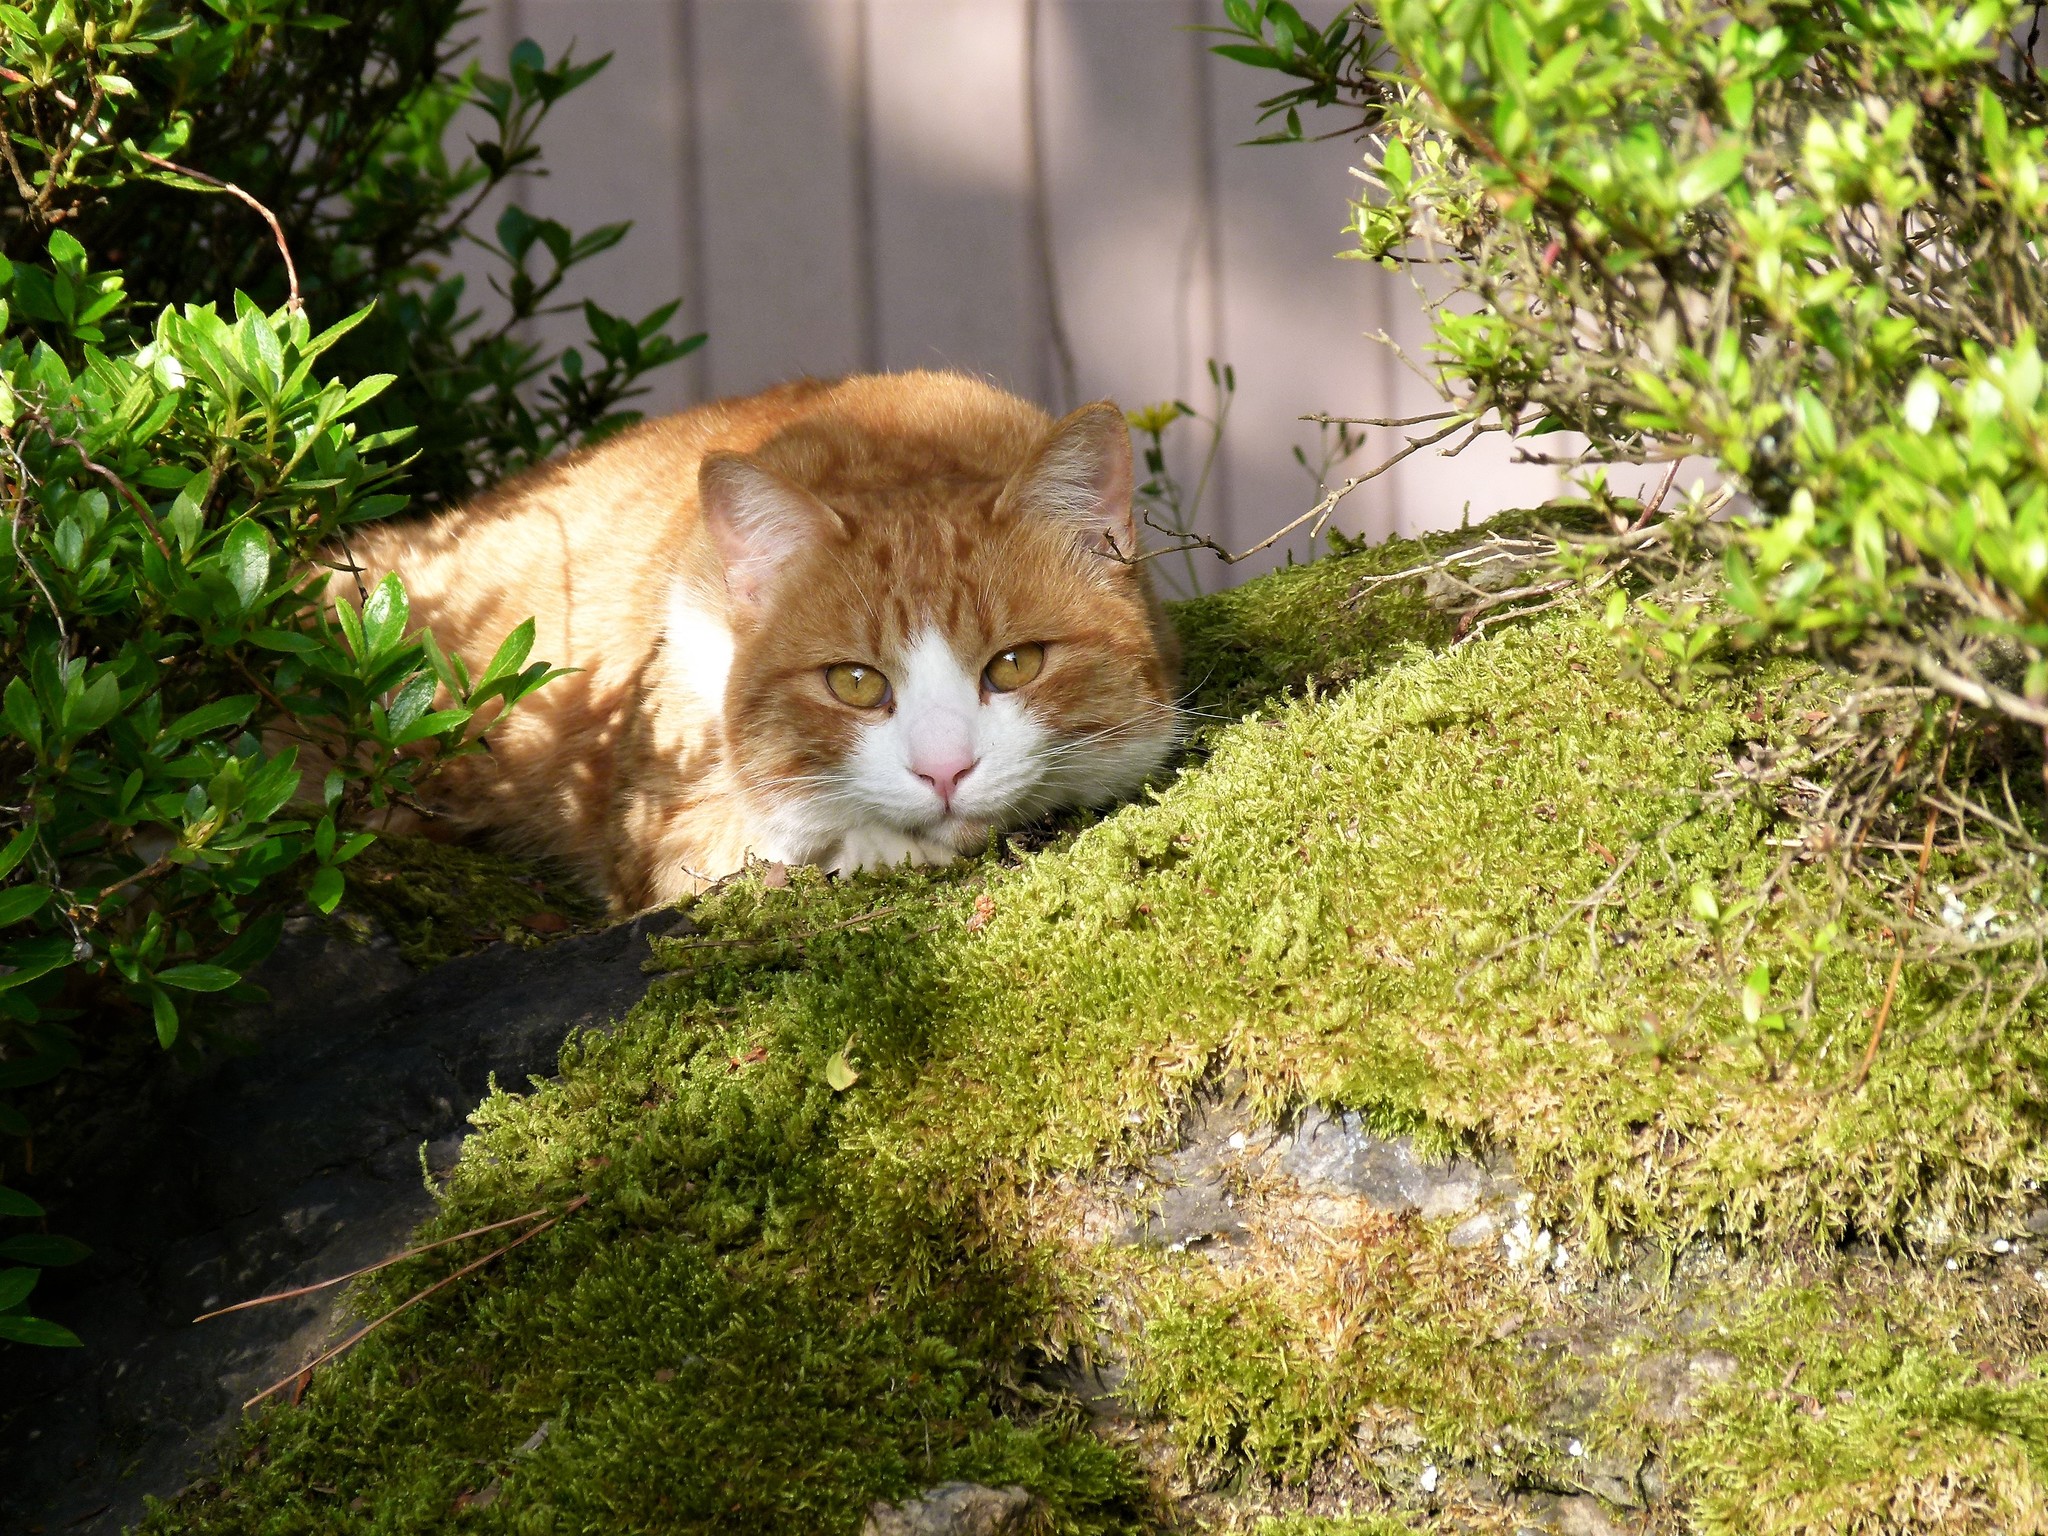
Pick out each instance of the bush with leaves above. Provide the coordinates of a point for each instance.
(1804, 241)
(154, 133)
(175, 454)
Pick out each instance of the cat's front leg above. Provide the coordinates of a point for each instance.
(884, 848)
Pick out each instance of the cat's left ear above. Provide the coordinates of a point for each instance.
(757, 520)
(1081, 474)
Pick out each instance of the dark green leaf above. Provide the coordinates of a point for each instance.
(34, 1330)
(22, 901)
(15, 1286)
(44, 1248)
(198, 978)
(208, 718)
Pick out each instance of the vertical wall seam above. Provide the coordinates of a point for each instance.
(1061, 382)
(866, 274)
(511, 30)
(1207, 237)
(696, 278)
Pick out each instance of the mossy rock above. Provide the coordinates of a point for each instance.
(438, 900)
(841, 1164)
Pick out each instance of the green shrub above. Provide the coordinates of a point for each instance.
(174, 452)
(1801, 240)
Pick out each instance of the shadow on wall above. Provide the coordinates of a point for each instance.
(846, 184)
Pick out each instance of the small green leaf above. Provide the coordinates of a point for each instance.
(33, 1330)
(198, 978)
(1713, 171)
(100, 702)
(1706, 906)
(17, 849)
(23, 717)
(511, 656)
(15, 1285)
(839, 1073)
(245, 560)
(44, 1248)
(384, 616)
(1756, 991)
(22, 901)
(165, 1014)
(14, 1203)
(30, 958)
(324, 890)
(208, 718)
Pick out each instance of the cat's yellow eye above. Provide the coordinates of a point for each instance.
(1014, 668)
(858, 684)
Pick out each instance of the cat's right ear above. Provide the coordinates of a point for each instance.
(757, 520)
(1081, 476)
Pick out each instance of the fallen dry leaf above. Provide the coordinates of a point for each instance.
(839, 1073)
(544, 922)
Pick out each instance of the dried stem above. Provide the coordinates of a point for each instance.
(305, 1371)
(370, 1269)
(141, 507)
(291, 270)
(787, 938)
(1317, 514)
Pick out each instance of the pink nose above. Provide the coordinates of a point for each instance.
(944, 775)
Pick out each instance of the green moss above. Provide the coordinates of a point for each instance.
(1875, 1400)
(1456, 893)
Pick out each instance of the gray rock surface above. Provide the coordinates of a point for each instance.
(952, 1509)
(1341, 1156)
(293, 1159)
(1094, 1381)
(1672, 1381)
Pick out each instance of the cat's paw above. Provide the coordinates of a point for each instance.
(884, 848)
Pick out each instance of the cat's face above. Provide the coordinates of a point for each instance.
(914, 665)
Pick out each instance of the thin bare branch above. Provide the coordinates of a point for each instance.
(306, 1370)
(291, 270)
(370, 1269)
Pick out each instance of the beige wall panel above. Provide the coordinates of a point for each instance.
(1123, 160)
(778, 224)
(955, 287)
(1437, 490)
(615, 150)
(1294, 316)
(838, 183)
(494, 30)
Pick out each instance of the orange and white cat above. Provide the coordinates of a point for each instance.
(849, 623)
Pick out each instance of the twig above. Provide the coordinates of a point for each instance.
(1983, 695)
(1590, 905)
(1317, 514)
(412, 1301)
(369, 1269)
(1891, 986)
(291, 270)
(1650, 507)
(1480, 628)
(106, 474)
(1324, 419)
(24, 480)
(787, 938)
